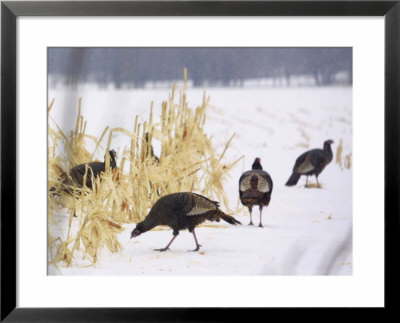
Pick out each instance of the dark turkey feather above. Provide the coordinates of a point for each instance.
(293, 179)
(255, 188)
(76, 175)
(311, 162)
(182, 211)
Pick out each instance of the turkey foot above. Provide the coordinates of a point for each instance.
(260, 225)
(167, 247)
(197, 248)
(162, 249)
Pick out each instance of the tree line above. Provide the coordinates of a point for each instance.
(222, 66)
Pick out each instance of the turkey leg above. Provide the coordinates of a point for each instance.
(260, 225)
(167, 247)
(251, 220)
(197, 244)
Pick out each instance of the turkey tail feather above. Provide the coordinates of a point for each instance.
(293, 179)
(230, 219)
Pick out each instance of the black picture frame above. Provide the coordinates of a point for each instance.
(11, 10)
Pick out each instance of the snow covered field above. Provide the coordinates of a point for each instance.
(307, 231)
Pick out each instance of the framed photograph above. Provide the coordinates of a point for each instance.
(197, 158)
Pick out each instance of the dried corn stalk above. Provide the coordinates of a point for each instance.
(345, 161)
(339, 154)
(188, 162)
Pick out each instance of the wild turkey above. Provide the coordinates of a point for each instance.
(182, 211)
(76, 175)
(311, 162)
(255, 188)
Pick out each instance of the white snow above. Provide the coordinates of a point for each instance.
(307, 231)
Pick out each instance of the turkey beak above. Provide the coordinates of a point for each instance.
(135, 233)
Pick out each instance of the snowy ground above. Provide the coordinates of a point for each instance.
(306, 231)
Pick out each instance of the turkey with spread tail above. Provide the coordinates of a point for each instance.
(310, 163)
(182, 211)
(255, 188)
